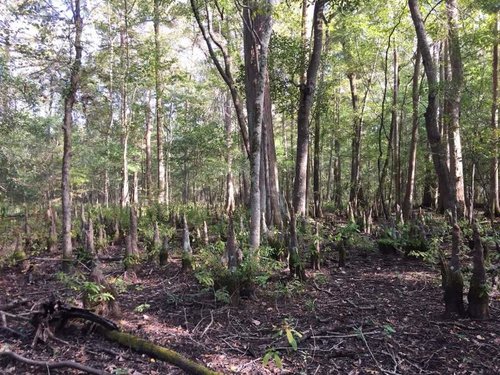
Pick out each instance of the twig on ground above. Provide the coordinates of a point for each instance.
(369, 307)
(323, 290)
(209, 324)
(362, 335)
(50, 364)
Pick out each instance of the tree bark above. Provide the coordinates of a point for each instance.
(396, 162)
(125, 62)
(69, 102)
(256, 53)
(305, 104)
(455, 96)
(478, 292)
(412, 158)
(494, 189)
(147, 141)
(228, 124)
(356, 144)
(158, 107)
(451, 273)
(438, 149)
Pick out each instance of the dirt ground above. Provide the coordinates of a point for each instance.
(380, 315)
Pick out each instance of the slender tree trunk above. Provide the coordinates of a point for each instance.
(149, 164)
(305, 104)
(274, 188)
(228, 124)
(452, 275)
(158, 106)
(69, 102)
(455, 95)
(412, 157)
(125, 61)
(338, 176)
(494, 190)
(256, 62)
(316, 164)
(224, 69)
(356, 144)
(438, 149)
(396, 161)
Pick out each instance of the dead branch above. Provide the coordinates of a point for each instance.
(50, 364)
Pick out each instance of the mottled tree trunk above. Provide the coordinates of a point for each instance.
(455, 96)
(187, 251)
(305, 104)
(256, 53)
(494, 189)
(228, 124)
(69, 101)
(125, 62)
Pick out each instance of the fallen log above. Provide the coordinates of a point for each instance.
(57, 313)
(50, 365)
(156, 351)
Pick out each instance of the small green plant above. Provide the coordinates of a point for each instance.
(311, 305)
(389, 330)
(96, 293)
(142, 307)
(273, 355)
(222, 295)
(120, 284)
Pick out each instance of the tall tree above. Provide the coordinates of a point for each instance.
(69, 101)
(160, 158)
(455, 95)
(257, 21)
(305, 104)
(412, 155)
(452, 275)
(494, 190)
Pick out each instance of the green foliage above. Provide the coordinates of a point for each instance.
(95, 292)
(142, 307)
(273, 355)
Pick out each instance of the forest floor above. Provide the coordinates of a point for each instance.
(379, 315)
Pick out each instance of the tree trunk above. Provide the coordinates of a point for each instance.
(124, 57)
(412, 158)
(224, 70)
(133, 231)
(228, 124)
(270, 147)
(256, 54)
(455, 95)
(187, 251)
(69, 101)
(438, 149)
(158, 106)
(494, 190)
(305, 104)
(356, 144)
(478, 292)
(149, 165)
(396, 161)
(452, 275)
